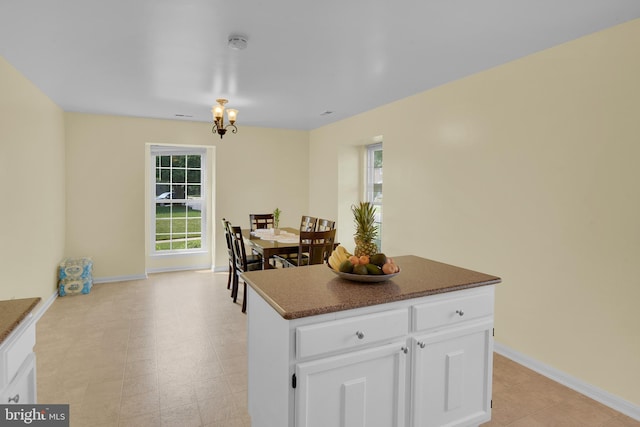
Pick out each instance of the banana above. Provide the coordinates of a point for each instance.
(334, 261)
(338, 256)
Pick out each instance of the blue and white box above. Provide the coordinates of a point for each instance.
(75, 276)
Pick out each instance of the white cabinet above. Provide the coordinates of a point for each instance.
(356, 389)
(17, 365)
(452, 376)
(419, 362)
(452, 359)
(23, 387)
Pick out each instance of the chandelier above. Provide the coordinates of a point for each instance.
(218, 118)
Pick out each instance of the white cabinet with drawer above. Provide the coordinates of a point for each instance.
(452, 359)
(417, 362)
(17, 365)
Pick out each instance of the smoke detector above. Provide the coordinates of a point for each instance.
(237, 42)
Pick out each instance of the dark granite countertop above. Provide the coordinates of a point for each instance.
(308, 291)
(12, 312)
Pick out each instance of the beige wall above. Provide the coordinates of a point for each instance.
(32, 163)
(528, 171)
(255, 170)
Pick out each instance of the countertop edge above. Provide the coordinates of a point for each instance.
(291, 315)
(12, 325)
(332, 309)
(268, 299)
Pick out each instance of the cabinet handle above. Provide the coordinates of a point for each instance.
(15, 398)
(405, 350)
(360, 335)
(460, 313)
(421, 344)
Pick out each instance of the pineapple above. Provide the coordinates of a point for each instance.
(366, 229)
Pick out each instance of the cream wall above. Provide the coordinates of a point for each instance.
(528, 171)
(32, 163)
(255, 170)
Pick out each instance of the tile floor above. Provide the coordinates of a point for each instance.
(170, 351)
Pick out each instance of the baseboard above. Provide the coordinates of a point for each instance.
(151, 271)
(220, 269)
(595, 393)
(119, 278)
(172, 269)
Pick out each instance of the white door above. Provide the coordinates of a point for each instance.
(358, 389)
(452, 371)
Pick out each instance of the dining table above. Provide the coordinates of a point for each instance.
(267, 243)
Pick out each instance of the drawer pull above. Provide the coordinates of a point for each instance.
(421, 344)
(360, 335)
(15, 398)
(460, 313)
(405, 350)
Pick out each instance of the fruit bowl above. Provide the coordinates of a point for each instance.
(364, 278)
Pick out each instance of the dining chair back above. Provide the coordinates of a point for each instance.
(325, 224)
(227, 235)
(258, 221)
(308, 223)
(241, 263)
(315, 248)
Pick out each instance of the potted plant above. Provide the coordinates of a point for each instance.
(276, 221)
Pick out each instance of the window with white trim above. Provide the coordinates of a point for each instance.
(373, 184)
(179, 204)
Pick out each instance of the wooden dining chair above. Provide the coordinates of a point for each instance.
(227, 235)
(251, 259)
(241, 265)
(325, 224)
(315, 248)
(308, 223)
(258, 221)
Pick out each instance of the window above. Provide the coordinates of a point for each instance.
(374, 184)
(179, 204)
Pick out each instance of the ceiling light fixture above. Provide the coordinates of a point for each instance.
(237, 42)
(218, 118)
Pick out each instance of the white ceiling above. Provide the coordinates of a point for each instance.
(160, 58)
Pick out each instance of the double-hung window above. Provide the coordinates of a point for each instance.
(374, 184)
(179, 203)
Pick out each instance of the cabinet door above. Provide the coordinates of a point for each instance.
(22, 390)
(358, 389)
(452, 372)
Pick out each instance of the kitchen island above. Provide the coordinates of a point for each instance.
(412, 351)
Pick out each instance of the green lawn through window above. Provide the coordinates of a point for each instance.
(178, 227)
